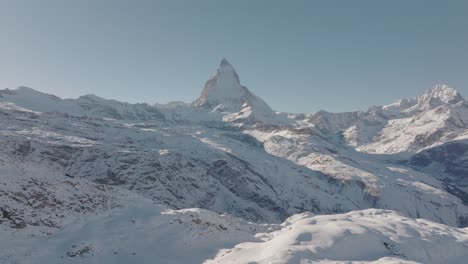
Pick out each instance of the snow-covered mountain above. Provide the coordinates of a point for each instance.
(62, 160)
(224, 93)
(88, 105)
(410, 125)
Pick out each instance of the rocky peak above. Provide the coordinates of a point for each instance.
(223, 88)
(441, 93)
(223, 92)
(438, 95)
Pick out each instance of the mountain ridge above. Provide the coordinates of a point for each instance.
(70, 165)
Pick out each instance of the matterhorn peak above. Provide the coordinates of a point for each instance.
(226, 72)
(223, 85)
(224, 92)
(224, 62)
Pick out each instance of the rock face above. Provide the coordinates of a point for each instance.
(447, 162)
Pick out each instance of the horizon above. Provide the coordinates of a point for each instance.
(323, 57)
(155, 104)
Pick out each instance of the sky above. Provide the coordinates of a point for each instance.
(298, 55)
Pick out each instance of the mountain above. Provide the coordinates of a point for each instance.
(437, 116)
(439, 95)
(88, 105)
(71, 164)
(224, 93)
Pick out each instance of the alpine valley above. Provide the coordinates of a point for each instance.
(226, 179)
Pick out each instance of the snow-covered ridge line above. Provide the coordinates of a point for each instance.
(369, 236)
(234, 103)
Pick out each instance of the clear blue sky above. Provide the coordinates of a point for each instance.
(299, 56)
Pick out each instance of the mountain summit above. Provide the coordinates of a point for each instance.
(443, 93)
(223, 88)
(438, 95)
(224, 93)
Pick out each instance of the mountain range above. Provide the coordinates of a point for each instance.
(79, 175)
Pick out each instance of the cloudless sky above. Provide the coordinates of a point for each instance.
(299, 56)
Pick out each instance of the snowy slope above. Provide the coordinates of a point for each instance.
(369, 236)
(151, 234)
(139, 233)
(264, 170)
(222, 168)
(218, 169)
(37, 101)
(37, 200)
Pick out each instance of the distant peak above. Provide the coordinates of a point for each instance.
(24, 88)
(441, 87)
(442, 92)
(437, 95)
(91, 97)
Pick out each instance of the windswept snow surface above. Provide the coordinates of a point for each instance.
(146, 233)
(369, 236)
(138, 233)
(91, 180)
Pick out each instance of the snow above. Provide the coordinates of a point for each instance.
(224, 93)
(377, 236)
(373, 179)
(410, 125)
(88, 105)
(224, 84)
(251, 172)
(37, 101)
(145, 233)
(441, 92)
(138, 233)
(91, 180)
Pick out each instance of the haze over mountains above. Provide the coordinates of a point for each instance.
(81, 175)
